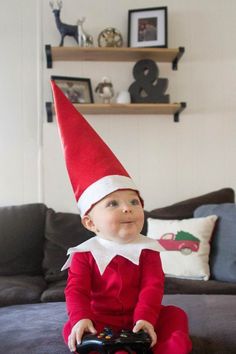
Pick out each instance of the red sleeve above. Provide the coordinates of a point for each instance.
(151, 288)
(78, 288)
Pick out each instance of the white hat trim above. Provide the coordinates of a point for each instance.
(101, 188)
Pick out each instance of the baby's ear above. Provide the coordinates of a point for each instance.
(88, 223)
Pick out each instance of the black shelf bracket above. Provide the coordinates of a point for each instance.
(177, 58)
(48, 50)
(49, 111)
(183, 105)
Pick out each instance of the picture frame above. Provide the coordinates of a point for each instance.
(76, 89)
(148, 27)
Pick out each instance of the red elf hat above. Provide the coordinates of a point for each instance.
(93, 169)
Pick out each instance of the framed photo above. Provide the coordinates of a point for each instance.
(76, 89)
(147, 27)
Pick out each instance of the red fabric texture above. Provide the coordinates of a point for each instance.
(87, 156)
(125, 290)
(124, 294)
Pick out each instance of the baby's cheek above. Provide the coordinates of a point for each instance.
(141, 220)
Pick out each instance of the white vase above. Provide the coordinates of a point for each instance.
(123, 97)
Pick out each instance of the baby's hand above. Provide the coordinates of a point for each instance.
(77, 332)
(146, 327)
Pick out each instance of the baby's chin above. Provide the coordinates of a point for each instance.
(121, 239)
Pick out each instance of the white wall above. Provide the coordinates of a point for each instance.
(19, 110)
(168, 161)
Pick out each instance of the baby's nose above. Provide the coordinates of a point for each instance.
(126, 209)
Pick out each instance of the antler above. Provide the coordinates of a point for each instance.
(59, 4)
(51, 4)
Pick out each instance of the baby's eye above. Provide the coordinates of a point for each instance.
(112, 203)
(135, 201)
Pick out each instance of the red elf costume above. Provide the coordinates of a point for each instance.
(114, 285)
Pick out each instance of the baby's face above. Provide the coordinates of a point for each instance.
(118, 217)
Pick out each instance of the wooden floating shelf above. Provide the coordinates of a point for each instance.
(115, 108)
(163, 55)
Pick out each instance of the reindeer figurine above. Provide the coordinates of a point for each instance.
(64, 29)
(84, 39)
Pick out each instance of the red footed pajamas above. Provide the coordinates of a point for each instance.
(122, 295)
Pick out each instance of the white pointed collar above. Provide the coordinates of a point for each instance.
(104, 251)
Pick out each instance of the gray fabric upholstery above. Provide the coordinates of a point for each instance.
(22, 239)
(223, 243)
(21, 289)
(55, 292)
(63, 230)
(188, 286)
(36, 328)
(32, 329)
(212, 321)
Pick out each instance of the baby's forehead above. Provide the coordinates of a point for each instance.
(122, 193)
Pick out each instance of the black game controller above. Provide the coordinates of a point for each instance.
(108, 342)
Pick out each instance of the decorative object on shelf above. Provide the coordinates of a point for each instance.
(105, 89)
(63, 28)
(84, 39)
(147, 87)
(147, 27)
(77, 89)
(110, 37)
(123, 97)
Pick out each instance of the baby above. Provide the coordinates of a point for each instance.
(115, 279)
(129, 291)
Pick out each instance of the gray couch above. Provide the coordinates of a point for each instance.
(33, 244)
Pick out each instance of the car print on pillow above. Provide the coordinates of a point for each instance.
(183, 241)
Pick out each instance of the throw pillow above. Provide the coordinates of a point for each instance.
(22, 239)
(186, 245)
(223, 251)
(62, 231)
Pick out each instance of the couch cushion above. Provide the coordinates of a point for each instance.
(223, 247)
(188, 286)
(33, 329)
(21, 289)
(211, 321)
(186, 245)
(22, 239)
(63, 230)
(54, 292)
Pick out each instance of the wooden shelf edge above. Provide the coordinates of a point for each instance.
(167, 55)
(132, 109)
